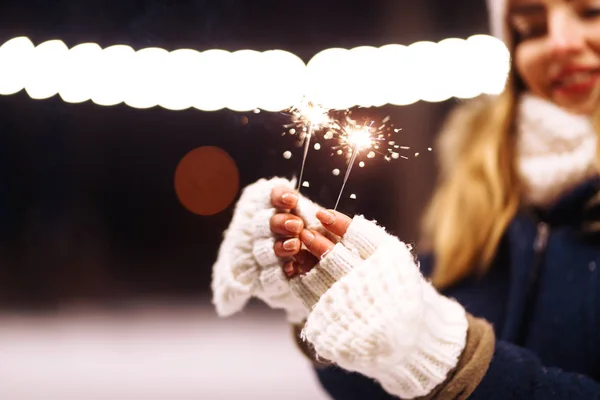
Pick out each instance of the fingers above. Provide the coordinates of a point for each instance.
(288, 226)
(335, 222)
(287, 247)
(302, 263)
(284, 224)
(284, 198)
(304, 260)
(317, 244)
(291, 227)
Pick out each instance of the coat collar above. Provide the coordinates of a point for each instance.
(577, 207)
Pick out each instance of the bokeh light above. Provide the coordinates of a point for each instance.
(327, 75)
(147, 77)
(46, 69)
(180, 79)
(113, 67)
(247, 80)
(212, 81)
(398, 75)
(15, 56)
(284, 80)
(80, 73)
(492, 63)
(207, 180)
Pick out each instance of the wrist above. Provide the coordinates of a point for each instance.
(311, 286)
(364, 237)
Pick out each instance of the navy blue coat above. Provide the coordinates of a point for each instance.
(542, 296)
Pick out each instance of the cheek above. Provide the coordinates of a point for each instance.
(530, 66)
(593, 38)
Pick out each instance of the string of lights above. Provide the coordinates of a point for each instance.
(245, 80)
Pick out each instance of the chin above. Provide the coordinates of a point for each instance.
(583, 106)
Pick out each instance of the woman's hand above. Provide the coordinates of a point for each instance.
(291, 234)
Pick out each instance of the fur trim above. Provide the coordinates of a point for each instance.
(556, 150)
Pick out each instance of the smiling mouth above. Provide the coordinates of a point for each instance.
(576, 81)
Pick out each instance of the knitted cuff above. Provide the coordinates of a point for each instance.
(312, 285)
(231, 288)
(443, 337)
(236, 271)
(364, 236)
(382, 319)
(261, 223)
(264, 255)
(272, 285)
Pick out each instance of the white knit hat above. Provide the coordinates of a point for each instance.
(497, 15)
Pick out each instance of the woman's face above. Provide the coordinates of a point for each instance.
(558, 50)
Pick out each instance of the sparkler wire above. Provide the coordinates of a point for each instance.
(350, 164)
(306, 147)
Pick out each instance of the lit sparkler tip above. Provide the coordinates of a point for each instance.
(357, 137)
(361, 138)
(308, 112)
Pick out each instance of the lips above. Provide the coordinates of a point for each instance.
(575, 80)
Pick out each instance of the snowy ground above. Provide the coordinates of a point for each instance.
(151, 353)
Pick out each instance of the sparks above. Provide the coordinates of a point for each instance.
(361, 139)
(309, 118)
(356, 138)
(370, 137)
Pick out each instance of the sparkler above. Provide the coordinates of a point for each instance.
(357, 138)
(352, 138)
(312, 118)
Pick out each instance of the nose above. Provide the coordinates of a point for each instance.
(565, 32)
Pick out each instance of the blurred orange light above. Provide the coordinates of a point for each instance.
(207, 180)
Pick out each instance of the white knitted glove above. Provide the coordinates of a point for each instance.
(374, 313)
(246, 265)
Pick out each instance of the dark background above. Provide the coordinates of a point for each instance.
(88, 210)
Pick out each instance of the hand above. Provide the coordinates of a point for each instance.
(289, 228)
(285, 225)
(317, 244)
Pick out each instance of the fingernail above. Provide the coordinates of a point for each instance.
(288, 269)
(289, 198)
(307, 237)
(293, 225)
(326, 217)
(291, 244)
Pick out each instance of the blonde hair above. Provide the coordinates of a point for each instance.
(478, 190)
(477, 194)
